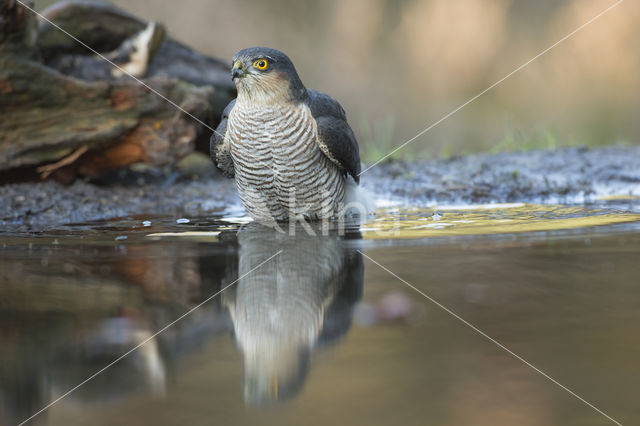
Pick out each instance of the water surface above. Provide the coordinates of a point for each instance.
(319, 333)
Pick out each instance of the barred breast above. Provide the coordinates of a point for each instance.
(280, 170)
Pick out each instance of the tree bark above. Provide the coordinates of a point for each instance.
(64, 112)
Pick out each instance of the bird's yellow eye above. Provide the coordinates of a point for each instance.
(261, 64)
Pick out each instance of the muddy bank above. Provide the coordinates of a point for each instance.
(568, 175)
(571, 175)
(34, 206)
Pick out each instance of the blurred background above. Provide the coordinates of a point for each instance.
(397, 66)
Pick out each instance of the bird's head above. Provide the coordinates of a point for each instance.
(264, 75)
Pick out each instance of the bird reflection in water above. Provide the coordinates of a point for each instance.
(301, 300)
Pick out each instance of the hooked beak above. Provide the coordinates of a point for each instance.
(237, 71)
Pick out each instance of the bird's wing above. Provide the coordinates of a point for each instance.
(219, 145)
(335, 137)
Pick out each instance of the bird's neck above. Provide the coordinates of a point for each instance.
(259, 97)
(270, 91)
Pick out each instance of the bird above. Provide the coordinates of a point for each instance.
(290, 149)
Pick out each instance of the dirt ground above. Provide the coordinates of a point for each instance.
(569, 175)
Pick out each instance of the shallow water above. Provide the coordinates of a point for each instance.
(277, 329)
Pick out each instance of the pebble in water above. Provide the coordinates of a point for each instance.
(182, 220)
(393, 307)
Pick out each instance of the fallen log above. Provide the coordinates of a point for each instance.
(66, 112)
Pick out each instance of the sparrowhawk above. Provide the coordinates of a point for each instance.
(290, 148)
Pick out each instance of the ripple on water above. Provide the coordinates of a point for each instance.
(389, 223)
(488, 219)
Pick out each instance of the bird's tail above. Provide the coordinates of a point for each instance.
(357, 200)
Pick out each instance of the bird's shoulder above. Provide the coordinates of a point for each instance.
(322, 105)
(228, 108)
(219, 150)
(335, 137)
